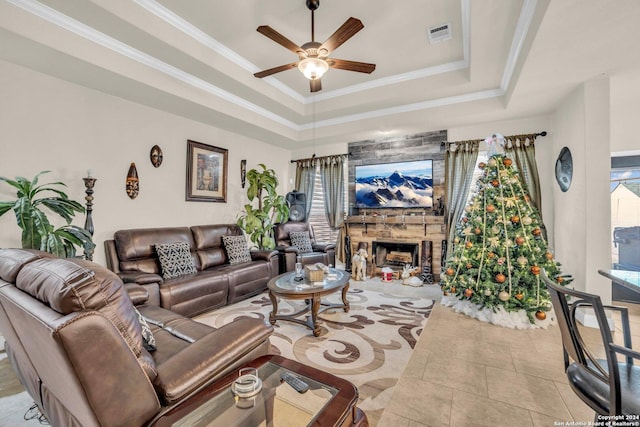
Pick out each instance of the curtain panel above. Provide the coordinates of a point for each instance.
(305, 180)
(521, 148)
(459, 163)
(332, 175)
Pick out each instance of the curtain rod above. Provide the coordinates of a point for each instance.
(320, 158)
(543, 133)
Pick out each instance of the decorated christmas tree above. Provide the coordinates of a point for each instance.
(493, 270)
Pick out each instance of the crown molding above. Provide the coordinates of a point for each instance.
(51, 15)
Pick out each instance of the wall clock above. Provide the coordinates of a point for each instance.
(564, 169)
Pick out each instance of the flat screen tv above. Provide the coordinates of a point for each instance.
(395, 185)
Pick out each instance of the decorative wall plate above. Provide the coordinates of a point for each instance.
(155, 155)
(564, 169)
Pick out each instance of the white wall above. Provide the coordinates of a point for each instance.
(582, 214)
(625, 110)
(50, 124)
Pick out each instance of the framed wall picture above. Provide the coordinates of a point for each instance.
(206, 173)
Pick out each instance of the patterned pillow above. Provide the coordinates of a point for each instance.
(301, 240)
(175, 259)
(148, 340)
(237, 250)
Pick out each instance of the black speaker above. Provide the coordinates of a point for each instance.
(297, 206)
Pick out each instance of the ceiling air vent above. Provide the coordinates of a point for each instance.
(439, 33)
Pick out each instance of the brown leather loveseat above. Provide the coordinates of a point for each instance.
(79, 347)
(132, 255)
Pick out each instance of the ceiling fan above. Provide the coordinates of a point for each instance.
(313, 56)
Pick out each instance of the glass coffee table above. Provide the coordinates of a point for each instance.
(329, 401)
(285, 286)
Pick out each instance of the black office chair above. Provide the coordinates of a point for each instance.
(611, 386)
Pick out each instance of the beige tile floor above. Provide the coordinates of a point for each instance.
(464, 372)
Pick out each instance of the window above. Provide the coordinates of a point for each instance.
(625, 212)
(317, 217)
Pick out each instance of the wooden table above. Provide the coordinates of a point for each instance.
(284, 286)
(626, 284)
(216, 405)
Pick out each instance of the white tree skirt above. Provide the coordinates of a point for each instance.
(501, 317)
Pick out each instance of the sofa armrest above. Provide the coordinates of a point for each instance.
(139, 277)
(323, 247)
(138, 294)
(263, 255)
(288, 250)
(204, 360)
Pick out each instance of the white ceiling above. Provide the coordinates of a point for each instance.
(196, 58)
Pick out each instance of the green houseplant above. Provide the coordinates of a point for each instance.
(37, 231)
(272, 208)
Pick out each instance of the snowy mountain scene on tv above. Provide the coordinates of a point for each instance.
(395, 185)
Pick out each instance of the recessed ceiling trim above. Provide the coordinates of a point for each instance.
(200, 36)
(385, 81)
(91, 34)
(170, 17)
(519, 36)
(423, 105)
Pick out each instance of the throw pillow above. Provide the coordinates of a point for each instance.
(237, 250)
(148, 340)
(301, 240)
(175, 259)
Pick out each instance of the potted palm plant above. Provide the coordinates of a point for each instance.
(37, 230)
(272, 208)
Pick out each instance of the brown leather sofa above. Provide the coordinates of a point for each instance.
(321, 252)
(131, 254)
(76, 343)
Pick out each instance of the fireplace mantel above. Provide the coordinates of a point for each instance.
(412, 228)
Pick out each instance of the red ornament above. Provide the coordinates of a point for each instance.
(515, 219)
(491, 255)
(536, 231)
(559, 279)
(450, 272)
(468, 292)
(495, 183)
(465, 219)
(535, 270)
(549, 256)
(507, 161)
(541, 315)
(468, 245)
(519, 240)
(519, 296)
(482, 165)
(500, 278)
(491, 208)
(477, 230)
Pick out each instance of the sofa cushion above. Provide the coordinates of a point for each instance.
(237, 250)
(175, 259)
(209, 245)
(301, 240)
(148, 340)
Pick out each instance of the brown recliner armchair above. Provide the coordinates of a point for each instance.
(320, 252)
(79, 347)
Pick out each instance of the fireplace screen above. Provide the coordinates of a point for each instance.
(395, 255)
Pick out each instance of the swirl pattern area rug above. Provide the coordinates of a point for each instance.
(368, 346)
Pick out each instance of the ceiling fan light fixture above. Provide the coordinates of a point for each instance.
(313, 68)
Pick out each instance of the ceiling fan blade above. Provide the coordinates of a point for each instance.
(274, 70)
(343, 64)
(342, 34)
(315, 85)
(267, 31)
